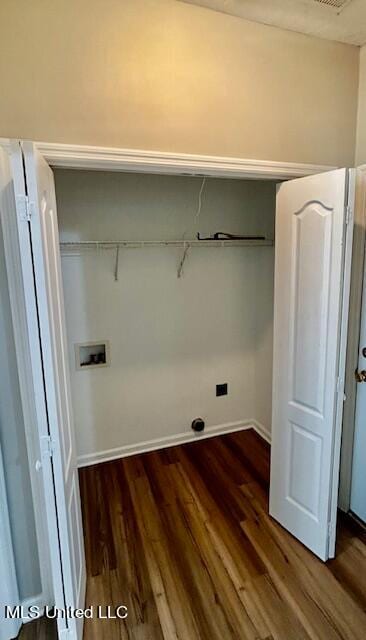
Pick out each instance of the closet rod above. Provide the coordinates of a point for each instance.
(137, 244)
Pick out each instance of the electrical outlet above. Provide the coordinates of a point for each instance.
(221, 389)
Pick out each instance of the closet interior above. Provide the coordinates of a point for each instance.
(168, 286)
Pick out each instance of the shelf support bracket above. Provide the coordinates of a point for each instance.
(183, 259)
(116, 266)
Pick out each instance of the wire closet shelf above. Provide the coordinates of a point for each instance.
(71, 247)
(181, 243)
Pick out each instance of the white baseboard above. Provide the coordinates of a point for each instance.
(89, 459)
(262, 431)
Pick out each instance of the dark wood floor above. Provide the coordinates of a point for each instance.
(183, 538)
(41, 629)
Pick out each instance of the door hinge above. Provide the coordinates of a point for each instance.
(46, 446)
(25, 208)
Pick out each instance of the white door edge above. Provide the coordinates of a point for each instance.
(347, 268)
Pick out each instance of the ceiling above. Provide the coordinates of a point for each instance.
(342, 20)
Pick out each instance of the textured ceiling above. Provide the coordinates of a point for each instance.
(313, 17)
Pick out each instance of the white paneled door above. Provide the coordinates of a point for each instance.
(312, 273)
(43, 295)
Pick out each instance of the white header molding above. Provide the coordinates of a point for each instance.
(113, 159)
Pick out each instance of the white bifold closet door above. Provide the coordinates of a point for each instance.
(43, 296)
(312, 276)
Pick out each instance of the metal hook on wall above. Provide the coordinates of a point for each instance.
(181, 264)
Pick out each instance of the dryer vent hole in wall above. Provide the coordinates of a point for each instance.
(198, 424)
(221, 389)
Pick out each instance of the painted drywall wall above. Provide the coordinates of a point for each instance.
(361, 116)
(172, 340)
(161, 74)
(13, 446)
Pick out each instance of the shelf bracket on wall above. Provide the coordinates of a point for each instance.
(116, 266)
(183, 259)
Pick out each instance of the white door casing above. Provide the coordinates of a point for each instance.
(40, 262)
(313, 242)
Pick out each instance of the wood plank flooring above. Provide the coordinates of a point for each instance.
(41, 629)
(182, 537)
